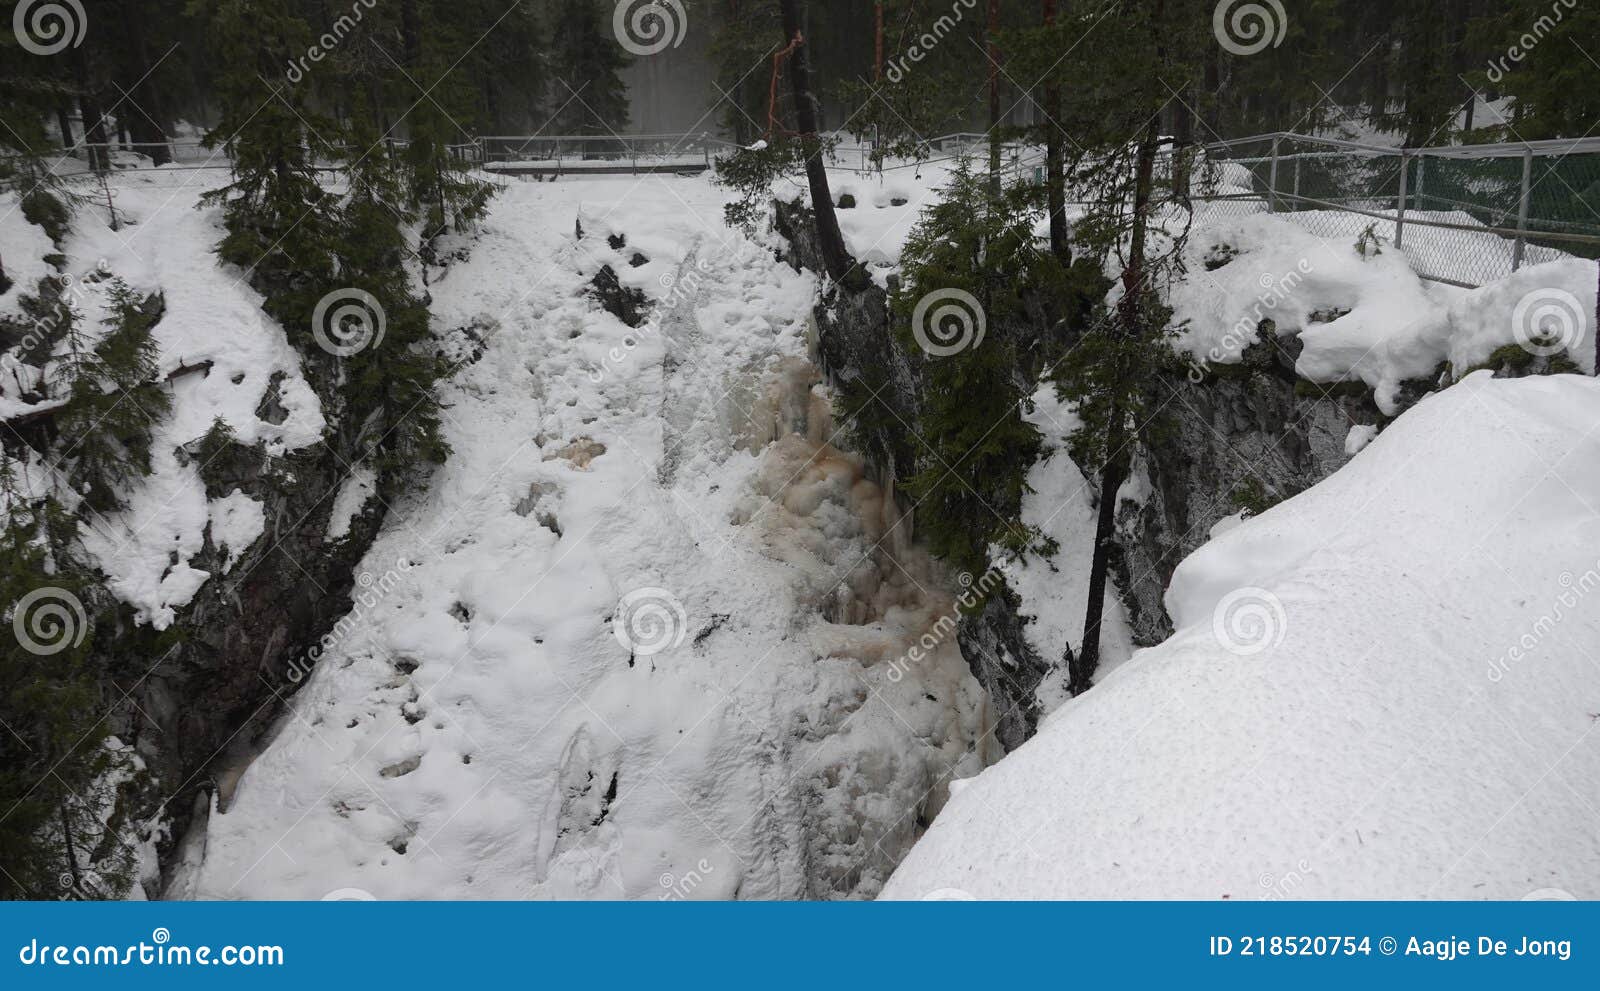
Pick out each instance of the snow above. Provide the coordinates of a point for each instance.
(23, 248)
(1364, 317)
(1360, 436)
(649, 634)
(236, 521)
(1383, 687)
(1303, 283)
(478, 727)
(1054, 590)
(354, 493)
(166, 243)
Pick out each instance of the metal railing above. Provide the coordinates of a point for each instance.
(596, 152)
(1464, 215)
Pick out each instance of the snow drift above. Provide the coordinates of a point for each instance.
(1386, 687)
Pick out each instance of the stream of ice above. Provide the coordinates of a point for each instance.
(485, 731)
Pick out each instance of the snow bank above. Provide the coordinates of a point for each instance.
(1384, 687)
(1340, 303)
(1364, 315)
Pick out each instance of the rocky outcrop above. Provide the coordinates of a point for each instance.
(223, 672)
(861, 359)
(1236, 442)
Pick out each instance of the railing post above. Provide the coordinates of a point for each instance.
(1296, 181)
(1422, 161)
(1522, 209)
(1400, 211)
(1272, 180)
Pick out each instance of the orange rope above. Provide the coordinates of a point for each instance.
(772, 92)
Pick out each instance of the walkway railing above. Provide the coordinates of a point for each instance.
(597, 152)
(1464, 215)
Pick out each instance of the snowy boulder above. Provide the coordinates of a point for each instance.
(1384, 687)
(1544, 310)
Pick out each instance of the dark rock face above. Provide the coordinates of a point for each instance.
(206, 706)
(1242, 442)
(856, 351)
(1004, 664)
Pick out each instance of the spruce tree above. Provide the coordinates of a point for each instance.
(280, 222)
(973, 245)
(113, 399)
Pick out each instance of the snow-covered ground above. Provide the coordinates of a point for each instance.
(485, 731)
(1385, 687)
(647, 633)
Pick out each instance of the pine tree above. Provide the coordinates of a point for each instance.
(1553, 83)
(390, 385)
(447, 198)
(1120, 85)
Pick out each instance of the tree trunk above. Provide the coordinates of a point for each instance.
(94, 132)
(994, 96)
(1182, 144)
(64, 123)
(877, 42)
(1080, 669)
(141, 80)
(1081, 674)
(94, 122)
(1055, 160)
(835, 257)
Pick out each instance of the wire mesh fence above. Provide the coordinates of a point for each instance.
(1464, 214)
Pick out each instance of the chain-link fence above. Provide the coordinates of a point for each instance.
(1464, 215)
